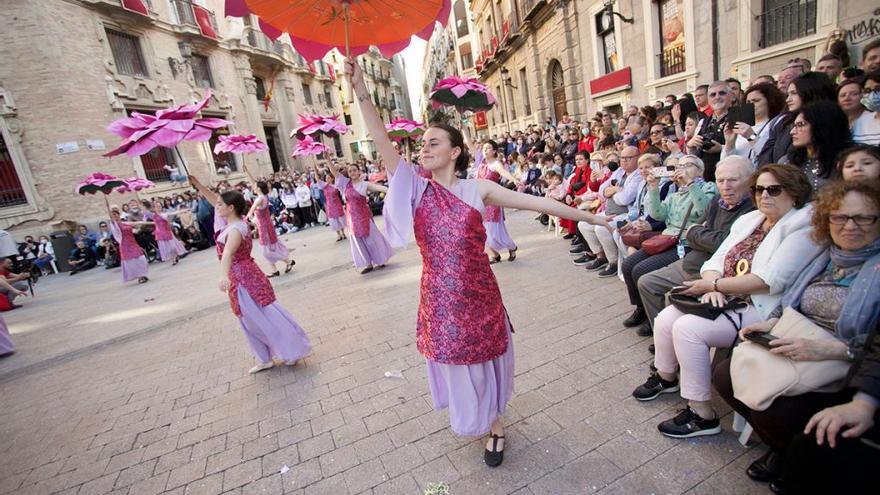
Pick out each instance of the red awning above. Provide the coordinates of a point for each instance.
(203, 18)
(135, 6)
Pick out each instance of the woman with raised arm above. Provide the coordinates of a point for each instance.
(369, 248)
(463, 329)
(131, 256)
(170, 247)
(212, 198)
(332, 203)
(497, 238)
(272, 247)
(269, 328)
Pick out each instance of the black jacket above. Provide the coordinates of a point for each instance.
(706, 237)
(778, 143)
(865, 372)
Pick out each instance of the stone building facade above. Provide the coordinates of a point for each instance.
(70, 67)
(563, 56)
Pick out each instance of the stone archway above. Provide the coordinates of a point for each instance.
(557, 88)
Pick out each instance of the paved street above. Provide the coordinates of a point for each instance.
(143, 390)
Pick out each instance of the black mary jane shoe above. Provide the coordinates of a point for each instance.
(143, 280)
(766, 468)
(274, 274)
(512, 255)
(494, 457)
(289, 266)
(493, 260)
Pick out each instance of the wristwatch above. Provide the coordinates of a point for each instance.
(850, 354)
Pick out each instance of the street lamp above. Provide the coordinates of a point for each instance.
(506, 83)
(610, 13)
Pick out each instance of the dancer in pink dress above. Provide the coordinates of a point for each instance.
(272, 247)
(213, 198)
(497, 238)
(170, 247)
(333, 206)
(7, 347)
(369, 248)
(131, 256)
(269, 328)
(463, 329)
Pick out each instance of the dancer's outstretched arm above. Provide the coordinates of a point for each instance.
(204, 190)
(375, 126)
(495, 195)
(376, 188)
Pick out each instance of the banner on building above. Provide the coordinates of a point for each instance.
(135, 6)
(480, 120)
(203, 19)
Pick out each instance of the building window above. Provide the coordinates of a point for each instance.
(261, 88)
(201, 71)
(127, 53)
(524, 84)
(461, 24)
(607, 44)
(671, 16)
(337, 144)
(307, 94)
(347, 119)
(11, 192)
(467, 58)
(328, 97)
(786, 20)
(223, 159)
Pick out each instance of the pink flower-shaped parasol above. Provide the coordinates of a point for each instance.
(99, 182)
(310, 125)
(134, 184)
(166, 129)
(399, 129)
(237, 143)
(464, 94)
(308, 146)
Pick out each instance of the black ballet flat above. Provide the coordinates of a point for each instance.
(366, 270)
(289, 266)
(512, 255)
(273, 275)
(143, 280)
(493, 260)
(494, 457)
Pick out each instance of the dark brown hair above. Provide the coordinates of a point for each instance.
(457, 141)
(829, 200)
(775, 98)
(791, 178)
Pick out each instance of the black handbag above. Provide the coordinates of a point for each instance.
(693, 306)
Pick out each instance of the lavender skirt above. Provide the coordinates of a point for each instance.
(275, 252)
(337, 223)
(371, 250)
(6, 345)
(271, 331)
(134, 268)
(169, 249)
(476, 394)
(497, 237)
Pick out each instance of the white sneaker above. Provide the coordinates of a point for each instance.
(260, 367)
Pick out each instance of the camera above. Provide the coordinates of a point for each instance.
(663, 171)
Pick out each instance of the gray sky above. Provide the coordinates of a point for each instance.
(413, 56)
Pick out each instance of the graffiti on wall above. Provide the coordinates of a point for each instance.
(864, 30)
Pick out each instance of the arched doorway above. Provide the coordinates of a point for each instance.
(557, 85)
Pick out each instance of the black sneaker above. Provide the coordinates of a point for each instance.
(582, 260)
(596, 264)
(687, 423)
(651, 348)
(653, 387)
(578, 249)
(637, 318)
(576, 240)
(568, 236)
(609, 271)
(645, 331)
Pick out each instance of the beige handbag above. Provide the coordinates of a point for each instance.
(759, 377)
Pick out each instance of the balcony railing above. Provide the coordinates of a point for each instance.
(528, 8)
(787, 22)
(186, 16)
(672, 61)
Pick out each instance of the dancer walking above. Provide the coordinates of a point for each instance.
(131, 256)
(463, 329)
(369, 248)
(497, 238)
(332, 204)
(272, 247)
(170, 247)
(270, 330)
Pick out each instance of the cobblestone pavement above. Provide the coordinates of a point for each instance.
(171, 408)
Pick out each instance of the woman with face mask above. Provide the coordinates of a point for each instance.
(861, 103)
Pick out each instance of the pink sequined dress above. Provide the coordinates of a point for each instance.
(463, 329)
(333, 206)
(6, 345)
(368, 245)
(169, 246)
(497, 237)
(273, 248)
(270, 330)
(131, 256)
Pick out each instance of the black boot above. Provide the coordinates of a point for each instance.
(636, 318)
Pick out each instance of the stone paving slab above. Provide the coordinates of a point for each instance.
(172, 408)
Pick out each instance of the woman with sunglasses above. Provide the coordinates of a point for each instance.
(840, 292)
(764, 252)
(818, 135)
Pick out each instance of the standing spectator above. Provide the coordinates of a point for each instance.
(17, 280)
(701, 98)
(831, 65)
(864, 121)
(787, 76)
(81, 258)
(871, 56)
(819, 133)
(89, 238)
(569, 150)
(304, 204)
(769, 103)
(735, 90)
(708, 141)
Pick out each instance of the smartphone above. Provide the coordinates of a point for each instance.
(743, 113)
(699, 127)
(663, 171)
(762, 339)
(595, 166)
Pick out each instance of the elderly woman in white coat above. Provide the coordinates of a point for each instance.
(762, 255)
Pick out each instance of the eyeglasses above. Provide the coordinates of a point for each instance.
(800, 125)
(774, 190)
(684, 165)
(718, 93)
(655, 133)
(860, 220)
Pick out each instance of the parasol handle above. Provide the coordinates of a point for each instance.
(182, 161)
(346, 5)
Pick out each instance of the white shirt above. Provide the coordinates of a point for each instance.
(866, 129)
(303, 196)
(289, 199)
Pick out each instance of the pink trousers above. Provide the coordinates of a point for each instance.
(685, 340)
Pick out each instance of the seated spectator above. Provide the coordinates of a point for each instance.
(110, 253)
(193, 239)
(838, 291)
(45, 255)
(707, 143)
(703, 239)
(174, 174)
(81, 258)
(6, 345)
(17, 280)
(819, 133)
(855, 97)
(760, 259)
(657, 142)
(678, 211)
(89, 238)
(28, 249)
(578, 183)
(860, 162)
(748, 141)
